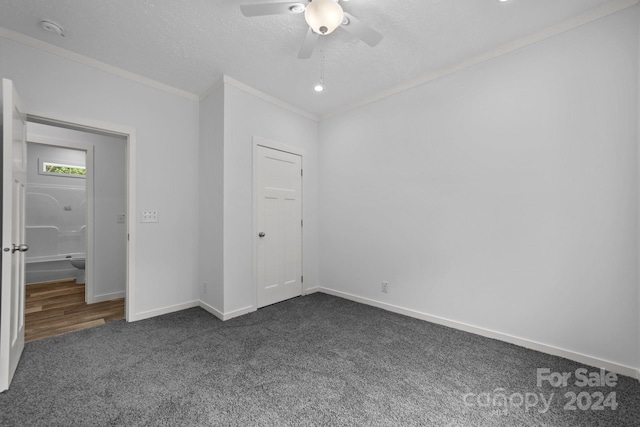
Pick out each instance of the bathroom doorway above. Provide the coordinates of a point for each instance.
(76, 230)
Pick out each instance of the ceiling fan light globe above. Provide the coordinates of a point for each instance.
(324, 16)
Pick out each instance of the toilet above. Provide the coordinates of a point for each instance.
(79, 264)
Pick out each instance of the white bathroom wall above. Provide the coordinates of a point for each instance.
(47, 152)
(246, 116)
(504, 196)
(211, 198)
(55, 205)
(166, 131)
(109, 201)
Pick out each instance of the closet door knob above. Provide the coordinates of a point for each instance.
(261, 234)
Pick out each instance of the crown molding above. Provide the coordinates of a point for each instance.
(93, 63)
(264, 96)
(568, 25)
(582, 19)
(218, 83)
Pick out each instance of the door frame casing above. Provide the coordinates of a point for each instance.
(129, 134)
(278, 146)
(89, 150)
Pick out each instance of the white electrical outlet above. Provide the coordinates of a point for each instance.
(150, 216)
(204, 287)
(385, 287)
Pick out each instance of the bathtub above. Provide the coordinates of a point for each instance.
(55, 231)
(49, 251)
(50, 268)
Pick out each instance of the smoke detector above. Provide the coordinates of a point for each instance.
(52, 26)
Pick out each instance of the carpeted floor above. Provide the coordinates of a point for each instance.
(314, 360)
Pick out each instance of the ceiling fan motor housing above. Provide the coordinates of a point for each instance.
(324, 16)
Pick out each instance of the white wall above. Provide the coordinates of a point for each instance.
(504, 196)
(110, 237)
(166, 126)
(54, 201)
(246, 116)
(230, 118)
(211, 198)
(51, 153)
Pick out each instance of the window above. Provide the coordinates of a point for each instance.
(61, 169)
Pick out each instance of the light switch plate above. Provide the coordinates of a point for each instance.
(150, 216)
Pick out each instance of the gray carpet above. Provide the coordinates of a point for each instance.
(315, 360)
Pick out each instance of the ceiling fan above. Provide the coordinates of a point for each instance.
(323, 17)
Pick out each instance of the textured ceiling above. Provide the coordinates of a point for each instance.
(190, 44)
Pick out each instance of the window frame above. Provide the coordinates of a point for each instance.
(43, 163)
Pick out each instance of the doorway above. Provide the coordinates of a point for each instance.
(76, 265)
(14, 122)
(59, 206)
(127, 136)
(278, 219)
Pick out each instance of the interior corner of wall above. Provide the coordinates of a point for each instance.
(211, 89)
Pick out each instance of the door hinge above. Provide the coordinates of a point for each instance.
(301, 279)
(301, 174)
(301, 223)
(127, 237)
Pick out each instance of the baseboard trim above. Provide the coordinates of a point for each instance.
(239, 312)
(310, 291)
(109, 297)
(226, 316)
(212, 310)
(165, 310)
(532, 345)
(51, 281)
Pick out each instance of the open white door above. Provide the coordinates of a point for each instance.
(14, 162)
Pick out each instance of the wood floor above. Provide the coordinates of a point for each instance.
(57, 307)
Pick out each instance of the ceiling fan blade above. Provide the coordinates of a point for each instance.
(362, 30)
(308, 44)
(263, 9)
